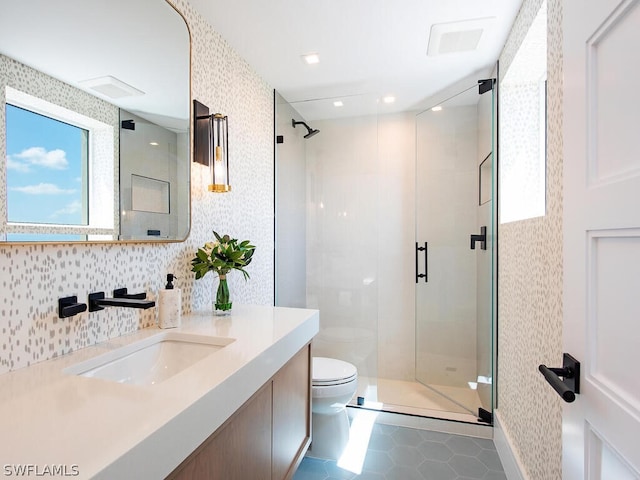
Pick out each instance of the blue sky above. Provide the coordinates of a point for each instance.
(44, 169)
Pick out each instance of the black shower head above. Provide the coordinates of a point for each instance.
(310, 131)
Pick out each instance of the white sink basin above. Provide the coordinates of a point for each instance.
(151, 360)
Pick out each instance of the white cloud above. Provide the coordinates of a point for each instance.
(70, 209)
(17, 166)
(43, 189)
(52, 159)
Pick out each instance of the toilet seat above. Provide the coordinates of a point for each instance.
(330, 371)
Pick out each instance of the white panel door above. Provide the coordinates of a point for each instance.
(601, 430)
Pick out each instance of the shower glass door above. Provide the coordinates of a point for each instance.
(342, 232)
(454, 204)
(327, 226)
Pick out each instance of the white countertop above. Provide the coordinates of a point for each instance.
(103, 429)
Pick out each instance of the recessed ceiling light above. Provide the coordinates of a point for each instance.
(436, 109)
(155, 144)
(311, 58)
(338, 103)
(389, 99)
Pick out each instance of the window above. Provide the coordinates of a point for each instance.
(46, 169)
(60, 172)
(523, 127)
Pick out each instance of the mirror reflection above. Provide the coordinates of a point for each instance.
(94, 121)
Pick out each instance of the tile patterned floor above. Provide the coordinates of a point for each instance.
(400, 453)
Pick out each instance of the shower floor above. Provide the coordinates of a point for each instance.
(400, 396)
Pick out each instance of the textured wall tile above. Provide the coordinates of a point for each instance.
(530, 286)
(34, 276)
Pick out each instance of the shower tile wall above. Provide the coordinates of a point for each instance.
(342, 239)
(35, 276)
(396, 263)
(385, 252)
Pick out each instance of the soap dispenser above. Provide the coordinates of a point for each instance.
(169, 305)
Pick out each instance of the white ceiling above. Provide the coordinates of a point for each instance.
(370, 47)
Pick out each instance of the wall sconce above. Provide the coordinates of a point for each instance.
(211, 137)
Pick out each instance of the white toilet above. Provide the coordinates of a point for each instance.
(334, 383)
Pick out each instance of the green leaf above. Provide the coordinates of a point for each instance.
(233, 255)
(244, 272)
(237, 255)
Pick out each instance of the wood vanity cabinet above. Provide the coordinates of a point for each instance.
(291, 414)
(266, 438)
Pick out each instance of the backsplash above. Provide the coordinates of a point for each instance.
(35, 276)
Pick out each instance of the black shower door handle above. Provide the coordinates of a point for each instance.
(426, 263)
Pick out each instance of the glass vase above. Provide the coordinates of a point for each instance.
(222, 304)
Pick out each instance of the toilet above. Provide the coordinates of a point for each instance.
(334, 382)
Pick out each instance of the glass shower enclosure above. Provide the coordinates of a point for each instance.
(355, 205)
(455, 248)
(326, 227)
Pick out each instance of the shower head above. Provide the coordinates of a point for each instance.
(310, 131)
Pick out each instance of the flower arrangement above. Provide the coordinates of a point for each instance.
(222, 256)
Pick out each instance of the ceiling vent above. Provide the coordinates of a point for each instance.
(111, 87)
(457, 37)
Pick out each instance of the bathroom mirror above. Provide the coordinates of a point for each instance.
(94, 121)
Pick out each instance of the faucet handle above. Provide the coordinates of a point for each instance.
(69, 306)
(93, 304)
(122, 293)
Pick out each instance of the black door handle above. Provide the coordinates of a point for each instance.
(426, 263)
(569, 385)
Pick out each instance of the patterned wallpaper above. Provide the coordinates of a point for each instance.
(34, 276)
(530, 287)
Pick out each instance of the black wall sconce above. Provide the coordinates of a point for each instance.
(211, 146)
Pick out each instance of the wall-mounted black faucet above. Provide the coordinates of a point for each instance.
(97, 301)
(69, 306)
